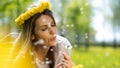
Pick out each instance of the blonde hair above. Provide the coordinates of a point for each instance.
(20, 54)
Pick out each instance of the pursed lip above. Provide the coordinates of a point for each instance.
(53, 39)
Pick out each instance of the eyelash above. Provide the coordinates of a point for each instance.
(43, 29)
(53, 25)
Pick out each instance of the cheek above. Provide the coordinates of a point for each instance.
(43, 35)
(55, 29)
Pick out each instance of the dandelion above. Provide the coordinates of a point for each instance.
(116, 63)
(78, 66)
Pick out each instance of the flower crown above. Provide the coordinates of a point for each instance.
(38, 9)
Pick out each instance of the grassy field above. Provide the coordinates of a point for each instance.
(97, 57)
(94, 57)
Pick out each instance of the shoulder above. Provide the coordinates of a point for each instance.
(64, 45)
(61, 46)
(63, 40)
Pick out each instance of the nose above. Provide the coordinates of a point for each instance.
(52, 30)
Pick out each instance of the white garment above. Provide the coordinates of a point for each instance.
(62, 45)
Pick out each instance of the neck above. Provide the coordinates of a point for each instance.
(41, 52)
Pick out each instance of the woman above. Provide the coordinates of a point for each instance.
(38, 45)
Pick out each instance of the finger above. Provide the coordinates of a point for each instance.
(58, 65)
(66, 56)
(66, 65)
(65, 61)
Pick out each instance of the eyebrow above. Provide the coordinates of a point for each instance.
(46, 25)
(42, 26)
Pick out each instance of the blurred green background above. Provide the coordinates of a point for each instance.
(92, 27)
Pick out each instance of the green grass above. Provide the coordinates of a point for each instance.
(97, 57)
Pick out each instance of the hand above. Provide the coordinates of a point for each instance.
(59, 65)
(67, 62)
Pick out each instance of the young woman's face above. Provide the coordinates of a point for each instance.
(45, 29)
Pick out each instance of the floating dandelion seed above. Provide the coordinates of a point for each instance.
(48, 62)
(86, 4)
(40, 41)
(82, 12)
(46, 58)
(81, 9)
(107, 54)
(67, 25)
(86, 35)
(72, 25)
(44, 46)
(51, 49)
(75, 46)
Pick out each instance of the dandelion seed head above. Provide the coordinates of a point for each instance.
(68, 46)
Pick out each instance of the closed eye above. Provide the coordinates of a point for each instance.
(53, 24)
